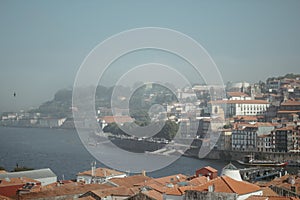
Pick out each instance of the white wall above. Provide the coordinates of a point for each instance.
(47, 181)
(245, 196)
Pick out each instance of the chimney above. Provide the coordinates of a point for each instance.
(93, 168)
(211, 188)
(144, 173)
(208, 179)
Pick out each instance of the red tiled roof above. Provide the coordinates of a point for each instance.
(154, 194)
(171, 179)
(237, 94)
(198, 180)
(4, 198)
(69, 189)
(173, 191)
(210, 169)
(284, 183)
(101, 172)
(268, 192)
(17, 181)
(228, 185)
(117, 191)
(290, 103)
(247, 118)
(130, 181)
(287, 128)
(288, 111)
(119, 119)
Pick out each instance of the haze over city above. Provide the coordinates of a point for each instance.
(43, 43)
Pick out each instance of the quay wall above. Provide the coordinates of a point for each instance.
(239, 155)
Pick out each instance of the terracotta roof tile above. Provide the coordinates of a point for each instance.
(172, 179)
(237, 94)
(4, 198)
(198, 180)
(102, 172)
(173, 191)
(130, 181)
(288, 111)
(154, 194)
(210, 169)
(119, 119)
(69, 189)
(17, 181)
(117, 191)
(290, 103)
(268, 192)
(228, 185)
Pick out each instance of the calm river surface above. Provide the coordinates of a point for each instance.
(62, 151)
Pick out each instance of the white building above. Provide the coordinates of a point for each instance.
(45, 176)
(51, 122)
(239, 107)
(231, 171)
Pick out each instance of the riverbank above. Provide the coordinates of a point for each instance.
(238, 155)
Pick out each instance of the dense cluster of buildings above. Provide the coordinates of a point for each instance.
(261, 117)
(109, 184)
(26, 119)
(254, 117)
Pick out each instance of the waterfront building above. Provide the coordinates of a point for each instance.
(244, 138)
(252, 136)
(48, 122)
(282, 139)
(264, 143)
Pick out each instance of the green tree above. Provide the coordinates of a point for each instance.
(168, 131)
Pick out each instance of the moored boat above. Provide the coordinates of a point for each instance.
(250, 161)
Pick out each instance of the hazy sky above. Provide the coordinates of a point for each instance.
(43, 43)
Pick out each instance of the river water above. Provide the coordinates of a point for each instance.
(62, 151)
